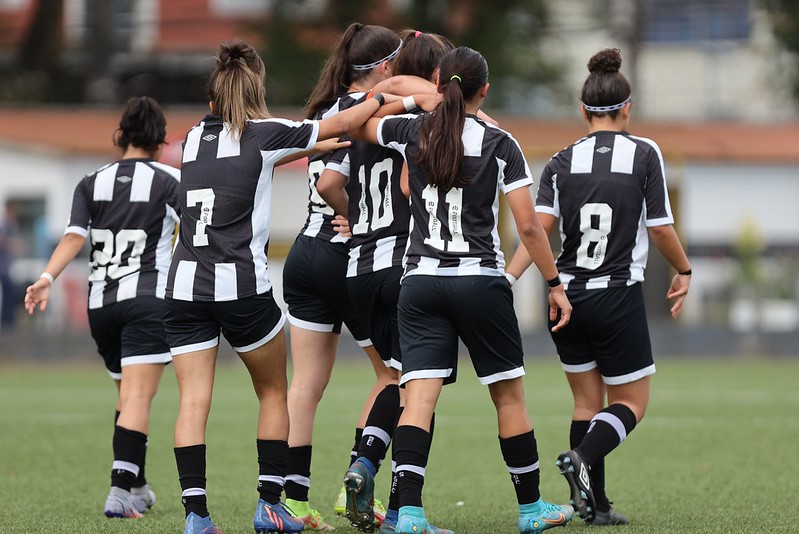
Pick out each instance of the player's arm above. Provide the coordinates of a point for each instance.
(405, 85)
(665, 239)
(521, 259)
(38, 293)
(322, 147)
(331, 187)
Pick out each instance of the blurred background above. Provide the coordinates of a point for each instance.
(715, 84)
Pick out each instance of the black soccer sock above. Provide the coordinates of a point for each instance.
(191, 472)
(521, 456)
(412, 446)
(129, 448)
(608, 429)
(354, 451)
(141, 480)
(380, 425)
(298, 475)
(272, 464)
(576, 434)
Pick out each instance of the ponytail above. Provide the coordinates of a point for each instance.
(142, 125)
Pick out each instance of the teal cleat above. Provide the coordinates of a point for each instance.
(575, 470)
(549, 516)
(412, 521)
(200, 525)
(275, 518)
(360, 486)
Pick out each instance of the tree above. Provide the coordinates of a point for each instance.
(784, 15)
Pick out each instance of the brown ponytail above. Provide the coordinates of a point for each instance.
(420, 54)
(605, 86)
(463, 72)
(236, 86)
(142, 125)
(359, 45)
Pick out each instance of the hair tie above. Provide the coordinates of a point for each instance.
(456, 76)
(418, 33)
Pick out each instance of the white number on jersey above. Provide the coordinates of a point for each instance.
(204, 197)
(107, 261)
(380, 197)
(315, 169)
(597, 236)
(454, 200)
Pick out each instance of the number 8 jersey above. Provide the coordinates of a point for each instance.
(127, 211)
(606, 189)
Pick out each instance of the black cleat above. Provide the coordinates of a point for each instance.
(576, 472)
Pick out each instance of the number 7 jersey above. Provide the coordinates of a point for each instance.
(606, 190)
(127, 211)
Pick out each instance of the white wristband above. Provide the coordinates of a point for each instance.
(409, 103)
(47, 276)
(511, 279)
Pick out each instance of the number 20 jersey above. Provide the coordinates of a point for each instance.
(606, 190)
(127, 211)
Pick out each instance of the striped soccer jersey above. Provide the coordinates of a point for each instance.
(127, 210)
(320, 215)
(454, 233)
(606, 189)
(378, 211)
(225, 197)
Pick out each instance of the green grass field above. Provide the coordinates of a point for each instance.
(717, 452)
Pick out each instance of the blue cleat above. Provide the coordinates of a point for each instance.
(575, 470)
(275, 518)
(360, 486)
(548, 515)
(200, 525)
(412, 521)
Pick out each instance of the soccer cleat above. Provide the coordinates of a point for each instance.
(143, 497)
(610, 518)
(389, 527)
(550, 515)
(412, 521)
(576, 472)
(360, 486)
(119, 503)
(275, 518)
(312, 519)
(340, 506)
(200, 525)
(380, 511)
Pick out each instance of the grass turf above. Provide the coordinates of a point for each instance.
(717, 451)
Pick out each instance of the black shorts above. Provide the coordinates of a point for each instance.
(246, 323)
(315, 289)
(434, 311)
(608, 330)
(375, 297)
(130, 332)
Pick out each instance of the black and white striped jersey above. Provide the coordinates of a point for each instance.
(320, 215)
(605, 189)
(378, 211)
(225, 204)
(127, 211)
(454, 233)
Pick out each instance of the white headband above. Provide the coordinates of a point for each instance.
(601, 109)
(377, 63)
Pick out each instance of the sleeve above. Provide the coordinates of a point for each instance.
(80, 217)
(547, 199)
(339, 162)
(279, 138)
(656, 194)
(394, 131)
(513, 169)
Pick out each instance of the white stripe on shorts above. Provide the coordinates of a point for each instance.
(425, 373)
(266, 339)
(194, 347)
(163, 357)
(630, 377)
(504, 375)
(580, 368)
(308, 325)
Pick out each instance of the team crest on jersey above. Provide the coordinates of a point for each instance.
(603, 150)
(124, 179)
(209, 137)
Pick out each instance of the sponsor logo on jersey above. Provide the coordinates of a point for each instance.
(124, 179)
(603, 150)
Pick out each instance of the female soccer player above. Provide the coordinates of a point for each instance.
(608, 191)
(128, 209)
(363, 182)
(218, 278)
(458, 164)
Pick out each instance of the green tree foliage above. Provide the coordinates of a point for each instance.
(785, 20)
(300, 34)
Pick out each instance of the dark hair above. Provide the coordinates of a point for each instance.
(142, 125)
(359, 45)
(605, 86)
(463, 72)
(236, 86)
(420, 54)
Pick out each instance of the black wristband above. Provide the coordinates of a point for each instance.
(685, 273)
(555, 282)
(380, 98)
